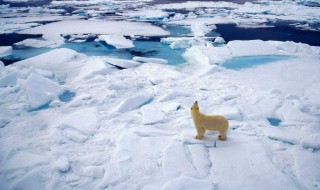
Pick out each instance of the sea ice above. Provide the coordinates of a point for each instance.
(188, 183)
(84, 120)
(118, 41)
(132, 103)
(151, 115)
(5, 51)
(40, 91)
(50, 60)
(33, 180)
(150, 60)
(122, 63)
(23, 159)
(35, 43)
(97, 27)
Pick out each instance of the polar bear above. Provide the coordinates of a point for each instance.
(204, 122)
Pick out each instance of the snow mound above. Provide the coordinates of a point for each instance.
(5, 51)
(151, 114)
(118, 41)
(23, 160)
(50, 60)
(132, 103)
(150, 60)
(84, 120)
(40, 91)
(188, 183)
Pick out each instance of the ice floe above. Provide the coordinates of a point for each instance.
(97, 27)
(41, 91)
(118, 41)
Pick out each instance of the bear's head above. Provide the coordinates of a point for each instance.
(195, 108)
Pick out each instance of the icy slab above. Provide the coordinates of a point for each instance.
(188, 183)
(219, 40)
(1, 64)
(158, 73)
(33, 180)
(35, 43)
(151, 114)
(231, 113)
(23, 160)
(9, 79)
(50, 60)
(94, 172)
(290, 113)
(150, 60)
(4, 121)
(312, 142)
(7, 28)
(91, 69)
(176, 161)
(305, 168)
(122, 63)
(62, 164)
(40, 91)
(283, 135)
(132, 103)
(252, 47)
(183, 42)
(97, 27)
(118, 41)
(5, 51)
(259, 164)
(174, 95)
(84, 120)
(146, 14)
(200, 158)
(201, 29)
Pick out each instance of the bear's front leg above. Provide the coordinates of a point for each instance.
(200, 132)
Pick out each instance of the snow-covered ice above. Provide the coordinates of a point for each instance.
(119, 118)
(118, 41)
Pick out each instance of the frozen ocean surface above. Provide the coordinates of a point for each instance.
(96, 94)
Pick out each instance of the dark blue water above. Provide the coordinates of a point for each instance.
(32, 3)
(10, 39)
(280, 32)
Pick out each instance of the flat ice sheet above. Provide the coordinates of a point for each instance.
(97, 27)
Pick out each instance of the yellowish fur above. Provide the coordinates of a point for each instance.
(204, 122)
